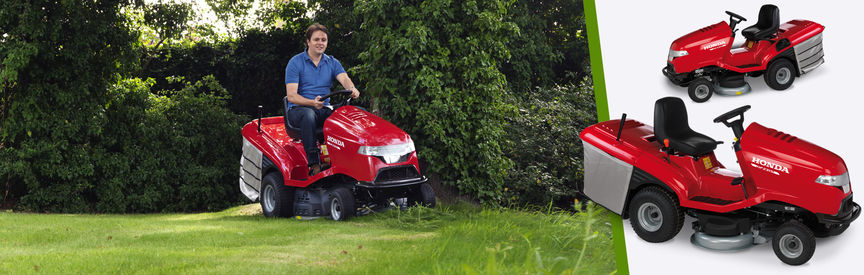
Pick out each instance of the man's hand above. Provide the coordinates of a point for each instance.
(354, 92)
(317, 103)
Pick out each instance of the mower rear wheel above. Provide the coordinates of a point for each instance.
(655, 215)
(423, 195)
(780, 74)
(277, 200)
(342, 204)
(700, 90)
(794, 243)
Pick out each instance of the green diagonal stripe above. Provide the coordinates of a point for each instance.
(603, 115)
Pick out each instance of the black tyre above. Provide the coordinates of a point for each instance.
(277, 200)
(780, 74)
(423, 195)
(700, 90)
(342, 204)
(655, 215)
(794, 243)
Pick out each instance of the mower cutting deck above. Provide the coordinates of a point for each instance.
(789, 190)
(705, 62)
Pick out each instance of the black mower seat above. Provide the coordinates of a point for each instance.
(766, 27)
(294, 132)
(670, 122)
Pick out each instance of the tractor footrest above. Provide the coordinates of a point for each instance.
(712, 200)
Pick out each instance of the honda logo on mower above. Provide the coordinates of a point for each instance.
(768, 166)
(335, 142)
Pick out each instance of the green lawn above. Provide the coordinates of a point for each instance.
(460, 239)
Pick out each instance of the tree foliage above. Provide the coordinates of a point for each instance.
(550, 47)
(58, 59)
(433, 67)
(252, 68)
(74, 140)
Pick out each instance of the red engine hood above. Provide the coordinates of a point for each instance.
(711, 37)
(785, 149)
(363, 128)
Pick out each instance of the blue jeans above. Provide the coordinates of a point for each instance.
(308, 119)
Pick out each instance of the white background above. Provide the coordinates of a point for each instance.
(635, 39)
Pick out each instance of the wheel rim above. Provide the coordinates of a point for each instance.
(650, 217)
(783, 76)
(335, 208)
(791, 246)
(701, 91)
(269, 198)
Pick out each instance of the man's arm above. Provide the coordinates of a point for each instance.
(293, 97)
(348, 84)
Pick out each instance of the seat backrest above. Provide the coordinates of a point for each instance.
(670, 118)
(285, 108)
(769, 18)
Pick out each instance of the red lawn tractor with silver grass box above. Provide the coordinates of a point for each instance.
(372, 164)
(705, 61)
(789, 191)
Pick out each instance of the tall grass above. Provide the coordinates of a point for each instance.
(450, 239)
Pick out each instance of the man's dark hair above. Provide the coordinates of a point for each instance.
(316, 27)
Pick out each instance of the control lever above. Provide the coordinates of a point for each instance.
(740, 181)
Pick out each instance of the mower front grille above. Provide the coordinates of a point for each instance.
(396, 173)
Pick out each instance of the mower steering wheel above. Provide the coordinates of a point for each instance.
(737, 125)
(736, 16)
(730, 114)
(344, 103)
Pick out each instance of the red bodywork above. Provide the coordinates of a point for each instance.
(345, 131)
(785, 168)
(712, 46)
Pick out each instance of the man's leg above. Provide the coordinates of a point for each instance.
(305, 119)
(322, 115)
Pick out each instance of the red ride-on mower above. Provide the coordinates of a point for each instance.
(372, 163)
(705, 62)
(789, 190)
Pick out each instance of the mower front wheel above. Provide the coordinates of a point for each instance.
(342, 204)
(655, 215)
(700, 90)
(423, 195)
(277, 200)
(780, 74)
(794, 243)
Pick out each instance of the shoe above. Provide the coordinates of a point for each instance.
(317, 168)
(314, 169)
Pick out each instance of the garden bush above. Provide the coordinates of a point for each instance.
(168, 150)
(543, 142)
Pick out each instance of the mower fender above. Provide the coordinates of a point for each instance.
(669, 179)
(788, 54)
(641, 180)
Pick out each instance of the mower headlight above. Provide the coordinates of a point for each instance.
(841, 181)
(675, 54)
(389, 153)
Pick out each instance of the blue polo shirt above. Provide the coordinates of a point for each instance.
(312, 80)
